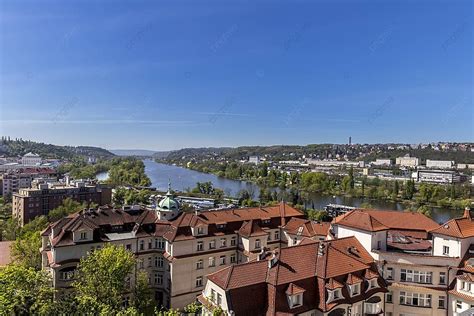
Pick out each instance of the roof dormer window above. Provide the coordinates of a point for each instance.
(295, 300)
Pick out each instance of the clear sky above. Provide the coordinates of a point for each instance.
(170, 74)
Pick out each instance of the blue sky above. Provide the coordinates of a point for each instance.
(170, 74)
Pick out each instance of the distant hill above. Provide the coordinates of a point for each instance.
(19, 147)
(133, 152)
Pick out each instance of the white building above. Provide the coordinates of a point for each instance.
(31, 159)
(382, 162)
(441, 164)
(254, 159)
(436, 176)
(407, 161)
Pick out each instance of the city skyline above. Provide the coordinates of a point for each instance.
(163, 76)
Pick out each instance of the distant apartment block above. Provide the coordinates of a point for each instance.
(42, 197)
(382, 162)
(410, 162)
(31, 159)
(12, 181)
(440, 164)
(436, 176)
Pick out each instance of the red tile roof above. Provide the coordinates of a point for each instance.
(377, 220)
(251, 229)
(459, 227)
(294, 289)
(307, 228)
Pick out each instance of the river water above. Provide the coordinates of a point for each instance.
(182, 179)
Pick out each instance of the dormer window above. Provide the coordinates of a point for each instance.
(83, 236)
(200, 230)
(372, 284)
(221, 225)
(296, 300)
(257, 244)
(355, 289)
(266, 221)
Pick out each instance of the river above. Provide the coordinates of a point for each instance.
(182, 179)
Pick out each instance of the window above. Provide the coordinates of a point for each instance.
(446, 250)
(222, 260)
(128, 247)
(158, 279)
(83, 236)
(355, 289)
(159, 243)
(200, 246)
(458, 304)
(223, 242)
(337, 294)
(295, 241)
(140, 264)
(442, 302)
(212, 244)
(199, 265)
(159, 262)
(219, 299)
(416, 276)
(199, 281)
(232, 258)
(149, 261)
(233, 241)
(277, 235)
(296, 300)
(142, 245)
(442, 278)
(257, 243)
(389, 275)
(200, 230)
(213, 295)
(212, 261)
(415, 299)
(389, 297)
(150, 244)
(67, 275)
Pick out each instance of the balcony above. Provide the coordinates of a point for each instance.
(373, 306)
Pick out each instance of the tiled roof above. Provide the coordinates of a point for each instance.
(341, 261)
(458, 227)
(307, 228)
(377, 220)
(251, 229)
(294, 289)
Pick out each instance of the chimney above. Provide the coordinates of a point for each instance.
(273, 260)
(467, 213)
(321, 249)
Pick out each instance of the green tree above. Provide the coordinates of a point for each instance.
(67, 207)
(25, 291)
(102, 277)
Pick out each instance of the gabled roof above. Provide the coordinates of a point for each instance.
(306, 228)
(240, 275)
(294, 289)
(251, 229)
(378, 220)
(462, 227)
(333, 284)
(353, 279)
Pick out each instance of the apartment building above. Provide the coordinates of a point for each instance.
(418, 257)
(177, 250)
(42, 197)
(21, 179)
(202, 243)
(439, 164)
(461, 294)
(337, 277)
(410, 162)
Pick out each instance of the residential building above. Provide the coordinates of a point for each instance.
(31, 159)
(440, 164)
(436, 176)
(177, 252)
(22, 178)
(461, 294)
(42, 197)
(407, 161)
(382, 162)
(337, 277)
(417, 256)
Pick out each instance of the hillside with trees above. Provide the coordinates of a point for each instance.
(19, 147)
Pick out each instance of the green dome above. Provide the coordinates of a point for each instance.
(169, 203)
